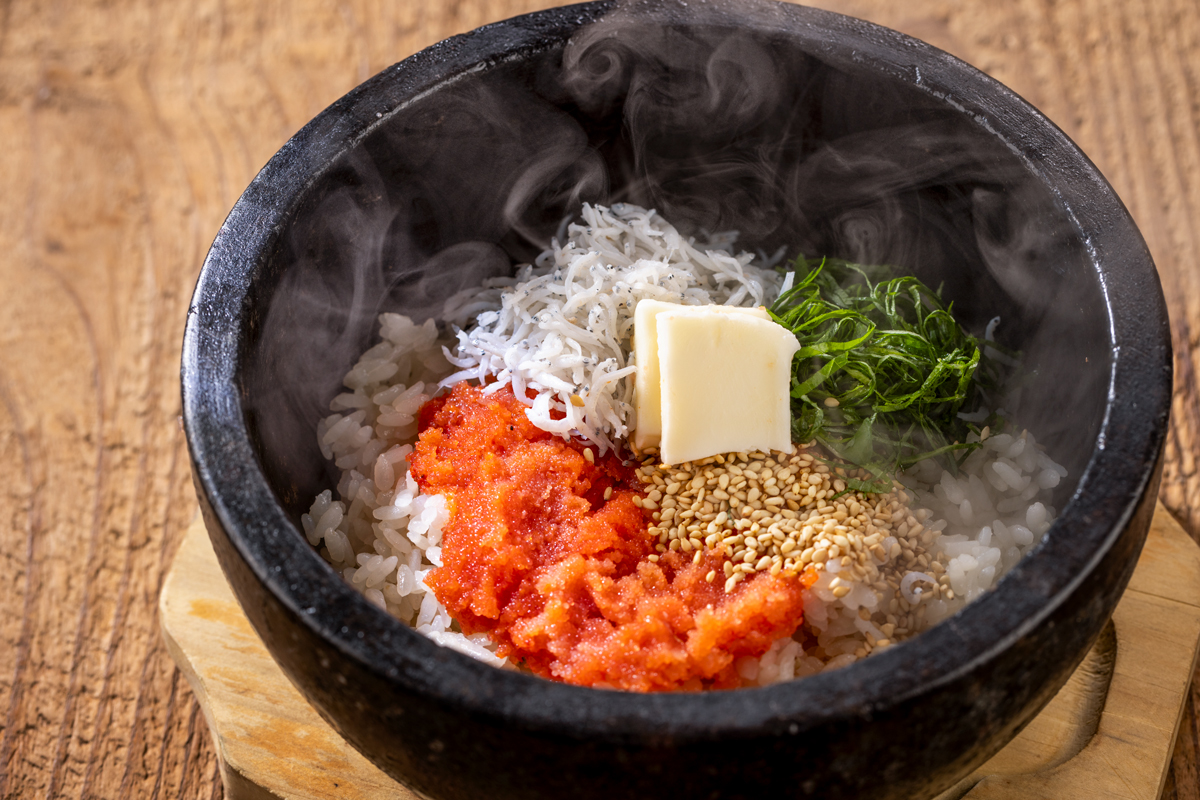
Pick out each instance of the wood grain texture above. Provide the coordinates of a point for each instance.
(129, 127)
(1106, 734)
(270, 742)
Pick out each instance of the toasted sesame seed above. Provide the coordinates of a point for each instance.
(758, 512)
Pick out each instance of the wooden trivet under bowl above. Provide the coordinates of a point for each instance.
(1107, 735)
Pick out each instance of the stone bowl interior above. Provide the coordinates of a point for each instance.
(800, 129)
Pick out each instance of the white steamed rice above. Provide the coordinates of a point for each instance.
(384, 536)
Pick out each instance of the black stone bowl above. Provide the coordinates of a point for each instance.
(798, 127)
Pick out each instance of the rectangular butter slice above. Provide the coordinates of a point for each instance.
(646, 385)
(723, 383)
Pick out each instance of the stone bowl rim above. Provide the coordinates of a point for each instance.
(226, 469)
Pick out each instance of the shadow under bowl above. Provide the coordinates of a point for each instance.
(799, 128)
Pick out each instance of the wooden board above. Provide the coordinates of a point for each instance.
(1107, 735)
(130, 127)
(1110, 732)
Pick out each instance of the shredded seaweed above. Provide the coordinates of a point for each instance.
(883, 368)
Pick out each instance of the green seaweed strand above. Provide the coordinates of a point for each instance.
(883, 367)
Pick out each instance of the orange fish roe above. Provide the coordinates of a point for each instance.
(546, 551)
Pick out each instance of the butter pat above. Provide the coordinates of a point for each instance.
(723, 376)
(647, 395)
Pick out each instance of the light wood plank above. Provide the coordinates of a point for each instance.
(129, 129)
(1107, 735)
(270, 741)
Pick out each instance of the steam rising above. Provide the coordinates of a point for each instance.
(716, 125)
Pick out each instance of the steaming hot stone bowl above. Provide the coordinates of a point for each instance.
(796, 127)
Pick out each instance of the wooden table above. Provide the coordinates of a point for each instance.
(127, 130)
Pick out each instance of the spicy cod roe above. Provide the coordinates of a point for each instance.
(547, 552)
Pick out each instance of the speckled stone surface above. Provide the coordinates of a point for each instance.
(382, 195)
